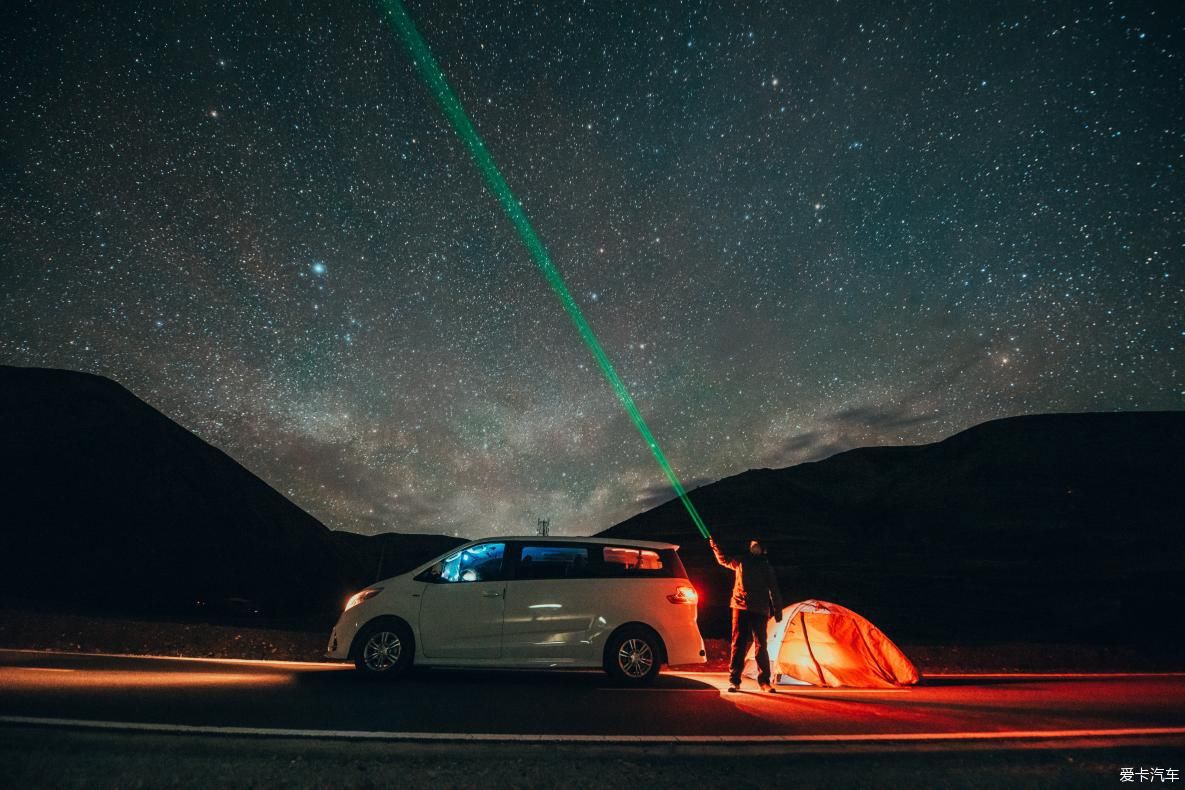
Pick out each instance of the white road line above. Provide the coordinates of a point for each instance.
(652, 689)
(1052, 675)
(963, 675)
(188, 729)
(200, 659)
(346, 665)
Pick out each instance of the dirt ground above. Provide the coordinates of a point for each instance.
(90, 634)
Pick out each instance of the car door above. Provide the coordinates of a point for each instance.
(551, 612)
(461, 609)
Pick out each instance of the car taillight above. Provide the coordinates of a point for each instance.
(684, 593)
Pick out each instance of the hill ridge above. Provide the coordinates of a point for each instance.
(1077, 511)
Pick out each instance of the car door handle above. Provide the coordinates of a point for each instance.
(490, 594)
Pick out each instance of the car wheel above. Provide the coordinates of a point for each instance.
(634, 656)
(385, 649)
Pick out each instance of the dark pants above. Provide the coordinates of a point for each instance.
(748, 626)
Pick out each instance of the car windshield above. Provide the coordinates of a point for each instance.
(473, 564)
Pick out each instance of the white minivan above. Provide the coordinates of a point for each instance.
(532, 602)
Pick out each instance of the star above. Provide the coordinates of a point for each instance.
(436, 383)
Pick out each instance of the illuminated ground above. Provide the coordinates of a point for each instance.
(81, 720)
(328, 700)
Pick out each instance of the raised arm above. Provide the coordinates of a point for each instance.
(775, 595)
(728, 562)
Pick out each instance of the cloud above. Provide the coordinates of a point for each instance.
(875, 418)
(803, 448)
(800, 443)
(851, 427)
(654, 495)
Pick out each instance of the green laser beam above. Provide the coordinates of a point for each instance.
(434, 78)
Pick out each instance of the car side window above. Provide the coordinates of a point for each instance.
(479, 563)
(553, 562)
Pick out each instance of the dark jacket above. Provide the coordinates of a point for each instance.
(756, 586)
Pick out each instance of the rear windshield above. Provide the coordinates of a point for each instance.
(626, 561)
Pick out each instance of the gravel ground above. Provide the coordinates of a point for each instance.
(89, 634)
(64, 759)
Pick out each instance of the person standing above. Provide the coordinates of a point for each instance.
(755, 595)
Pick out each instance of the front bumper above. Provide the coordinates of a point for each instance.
(340, 639)
(331, 650)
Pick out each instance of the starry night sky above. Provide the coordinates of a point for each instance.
(795, 230)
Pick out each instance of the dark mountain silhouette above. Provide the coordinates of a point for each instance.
(109, 505)
(374, 557)
(1045, 527)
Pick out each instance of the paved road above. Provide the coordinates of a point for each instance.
(325, 699)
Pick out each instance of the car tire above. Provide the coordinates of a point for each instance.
(633, 656)
(384, 649)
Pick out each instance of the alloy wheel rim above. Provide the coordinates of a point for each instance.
(635, 658)
(382, 651)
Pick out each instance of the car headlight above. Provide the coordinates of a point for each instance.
(359, 597)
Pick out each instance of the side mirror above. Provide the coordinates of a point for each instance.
(433, 574)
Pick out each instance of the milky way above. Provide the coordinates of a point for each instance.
(794, 230)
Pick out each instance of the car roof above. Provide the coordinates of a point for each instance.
(641, 544)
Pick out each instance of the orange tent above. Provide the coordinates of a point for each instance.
(824, 644)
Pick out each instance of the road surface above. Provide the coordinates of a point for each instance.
(330, 700)
(69, 720)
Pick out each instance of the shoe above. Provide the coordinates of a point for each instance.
(732, 689)
(769, 688)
